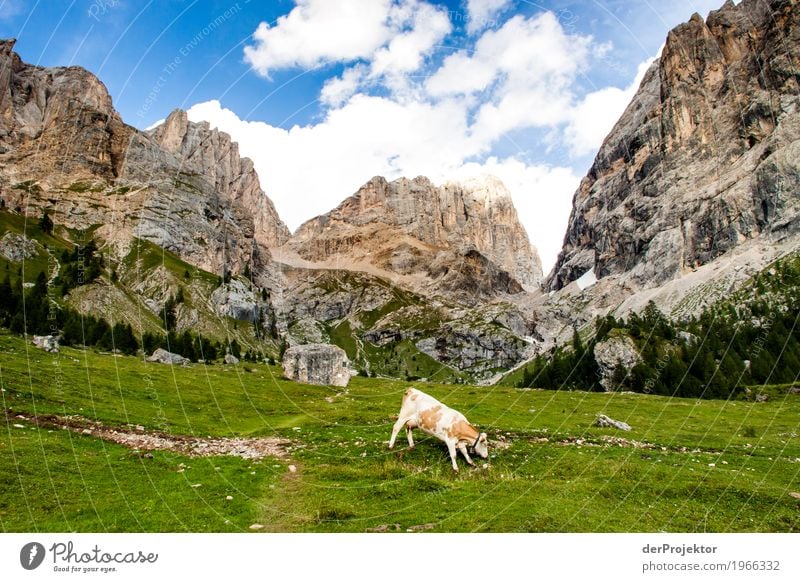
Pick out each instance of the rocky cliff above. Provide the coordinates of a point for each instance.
(705, 158)
(459, 238)
(183, 186)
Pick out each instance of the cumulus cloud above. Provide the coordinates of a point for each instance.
(394, 33)
(593, 118)
(481, 13)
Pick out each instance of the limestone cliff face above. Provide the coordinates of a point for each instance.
(57, 121)
(213, 154)
(461, 236)
(706, 156)
(182, 186)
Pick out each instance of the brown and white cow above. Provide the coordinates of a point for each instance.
(419, 410)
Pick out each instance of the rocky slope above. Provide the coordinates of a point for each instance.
(183, 186)
(705, 159)
(462, 239)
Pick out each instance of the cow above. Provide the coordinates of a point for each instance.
(419, 410)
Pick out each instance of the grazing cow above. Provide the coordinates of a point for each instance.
(422, 411)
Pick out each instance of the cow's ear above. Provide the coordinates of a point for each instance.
(483, 437)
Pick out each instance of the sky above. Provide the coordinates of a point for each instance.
(325, 94)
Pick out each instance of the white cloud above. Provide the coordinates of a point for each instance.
(594, 117)
(405, 52)
(337, 90)
(525, 71)
(481, 13)
(393, 33)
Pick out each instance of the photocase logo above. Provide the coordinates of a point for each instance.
(31, 555)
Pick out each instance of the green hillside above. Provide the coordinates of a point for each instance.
(688, 465)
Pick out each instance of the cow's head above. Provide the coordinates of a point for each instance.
(481, 446)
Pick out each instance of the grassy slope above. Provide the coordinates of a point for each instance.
(348, 481)
(123, 304)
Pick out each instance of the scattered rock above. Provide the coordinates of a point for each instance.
(162, 356)
(231, 359)
(320, 364)
(16, 247)
(761, 397)
(385, 527)
(604, 421)
(292, 469)
(421, 527)
(229, 498)
(245, 448)
(794, 494)
(48, 343)
(256, 526)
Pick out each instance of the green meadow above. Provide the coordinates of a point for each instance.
(687, 466)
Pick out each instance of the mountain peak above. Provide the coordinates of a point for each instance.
(484, 187)
(401, 227)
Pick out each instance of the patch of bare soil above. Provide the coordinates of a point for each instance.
(137, 438)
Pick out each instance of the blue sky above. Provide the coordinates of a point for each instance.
(324, 94)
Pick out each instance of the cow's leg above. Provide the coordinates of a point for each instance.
(410, 437)
(396, 429)
(452, 448)
(463, 448)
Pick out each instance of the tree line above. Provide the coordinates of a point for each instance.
(753, 338)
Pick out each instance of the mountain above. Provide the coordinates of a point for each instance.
(704, 162)
(463, 239)
(182, 186)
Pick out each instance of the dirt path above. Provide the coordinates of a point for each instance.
(137, 438)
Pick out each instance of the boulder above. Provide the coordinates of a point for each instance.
(612, 352)
(604, 421)
(162, 356)
(48, 343)
(231, 359)
(321, 364)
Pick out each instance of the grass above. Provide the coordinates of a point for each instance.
(348, 481)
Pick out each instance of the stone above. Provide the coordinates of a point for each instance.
(231, 359)
(604, 421)
(48, 343)
(612, 352)
(321, 364)
(16, 247)
(162, 356)
(256, 526)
